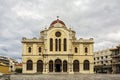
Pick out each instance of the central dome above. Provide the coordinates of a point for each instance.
(57, 21)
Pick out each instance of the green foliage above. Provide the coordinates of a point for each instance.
(18, 70)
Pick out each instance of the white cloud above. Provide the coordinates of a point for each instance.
(89, 18)
(114, 35)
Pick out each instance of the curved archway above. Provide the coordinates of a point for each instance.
(39, 66)
(29, 65)
(76, 66)
(50, 66)
(58, 64)
(64, 66)
(86, 65)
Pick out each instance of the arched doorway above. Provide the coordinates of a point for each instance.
(58, 65)
(64, 66)
(39, 66)
(29, 65)
(86, 65)
(76, 66)
(50, 66)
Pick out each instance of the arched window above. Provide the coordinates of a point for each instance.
(65, 44)
(29, 65)
(51, 44)
(86, 50)
(64, 66)
(76, 49)
(39, 66)
(76, 66)
(86, 65)
(29, 49)
(50, 66)
(59, 44)
(56, 44)
(40, 50)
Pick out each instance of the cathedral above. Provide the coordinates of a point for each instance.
(57, 50)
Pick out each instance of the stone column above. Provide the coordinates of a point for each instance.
(53, 66)
(44, 68)
(70, 68)
(24, 67)
(81, 67)
(34, 67)
(61, 66)
(70, 64)
(47, 68)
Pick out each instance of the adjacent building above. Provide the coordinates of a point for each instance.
(116, 59)
(4, 68)
(8, 62)
(103, 61)
(57, 50)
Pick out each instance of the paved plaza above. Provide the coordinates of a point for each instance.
(62, 77)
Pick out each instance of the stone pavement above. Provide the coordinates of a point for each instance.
(63, 77)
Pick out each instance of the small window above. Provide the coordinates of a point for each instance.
(86, 50)
(97, 58)
(106, 56)
(101, 62)
(58, 34)
(76, 50)
(40, 50)
(29, 49)
(101, 57)
(111, 61)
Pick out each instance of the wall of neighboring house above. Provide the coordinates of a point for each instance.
(4, 69)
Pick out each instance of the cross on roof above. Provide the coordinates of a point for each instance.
(57, 17)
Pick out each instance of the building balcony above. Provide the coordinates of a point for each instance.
(115, 55)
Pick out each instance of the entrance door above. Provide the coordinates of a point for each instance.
(76, 66)
(64, 66)
(51, 66)
(39, 66)
(58, 64)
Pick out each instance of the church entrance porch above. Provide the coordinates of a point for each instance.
(57, 68)
(58, 64)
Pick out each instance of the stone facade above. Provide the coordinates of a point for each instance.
(57, 50)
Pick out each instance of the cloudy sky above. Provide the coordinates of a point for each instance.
(99, 19)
